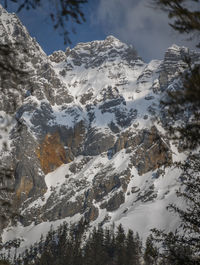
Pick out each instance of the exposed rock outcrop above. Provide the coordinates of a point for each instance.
(51, 153)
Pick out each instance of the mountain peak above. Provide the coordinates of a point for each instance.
(11, 28)
(94, 53)
(109, 41)
(175, 53)
(177, 49)
(112, 39)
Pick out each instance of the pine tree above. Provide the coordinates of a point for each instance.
(131, 249)
(95, 252)
(183, 246)
(120, 246)
(151, 252)
(109, 245)
(185, 102)
(185, 19)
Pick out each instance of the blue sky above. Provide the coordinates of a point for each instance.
(131, 21)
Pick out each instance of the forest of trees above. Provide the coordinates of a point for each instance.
(73, 245)
(70, 245)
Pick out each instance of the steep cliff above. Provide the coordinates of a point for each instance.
(83, 135)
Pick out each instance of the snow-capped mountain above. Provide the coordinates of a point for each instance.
(83, 135)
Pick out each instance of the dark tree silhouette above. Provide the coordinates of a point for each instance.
(67, 245)
(151, 252)
(184, 18)
(183, 246)
(183, 102)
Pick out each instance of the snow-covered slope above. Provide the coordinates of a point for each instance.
(87, 137)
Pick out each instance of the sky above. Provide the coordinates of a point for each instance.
(131, 21)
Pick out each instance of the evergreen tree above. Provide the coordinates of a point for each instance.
(185, 103)
(138, 244)
(95, 252)
(120, 246)
(87, 251)
(183, 246)
(185, 19)
(64, 246)
(151, 252)
(109, 245)
(131, 249)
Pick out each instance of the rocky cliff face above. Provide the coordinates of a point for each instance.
(83, 135)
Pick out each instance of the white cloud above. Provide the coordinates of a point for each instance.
(134, 22)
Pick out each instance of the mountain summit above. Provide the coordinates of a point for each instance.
(83, 135)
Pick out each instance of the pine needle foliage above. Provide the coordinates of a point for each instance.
(182, 247)
(184, 103)
(182, 14)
